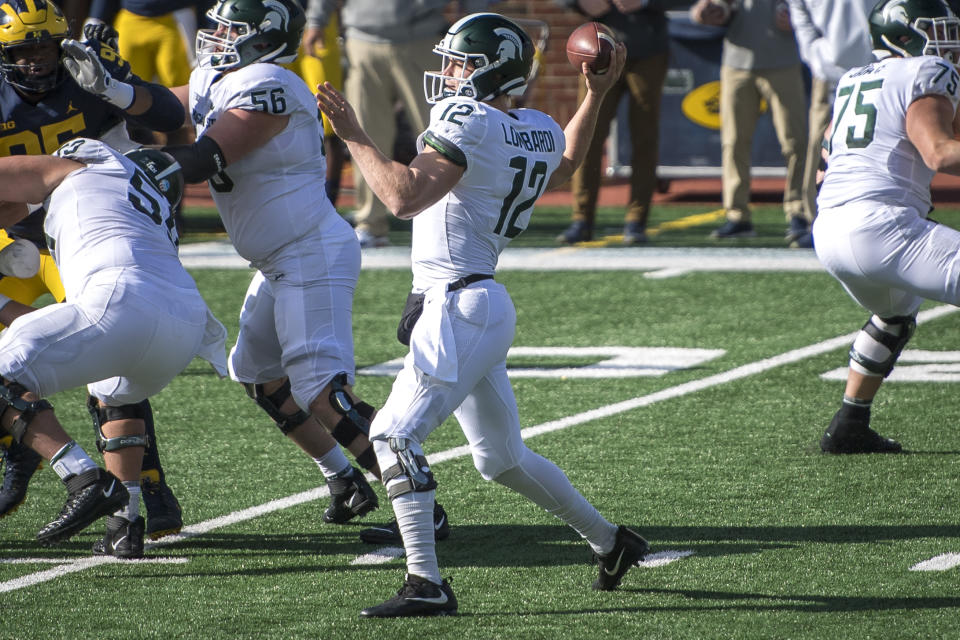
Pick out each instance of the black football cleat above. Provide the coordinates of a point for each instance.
(21, 463)
(417, 598)
(628, 549)
(350, 496)
(853, 435)
(164, 515)
(123, 539)
(390, 533)
(91, 495)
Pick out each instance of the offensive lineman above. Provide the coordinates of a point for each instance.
(260, 145)
(41, 107)
(892, 130)
(133, 319)
(471, 190)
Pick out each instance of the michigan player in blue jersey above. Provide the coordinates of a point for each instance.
(52, 90)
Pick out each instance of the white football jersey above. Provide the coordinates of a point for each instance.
(871, 157)
(108, 215)
(275, 194)
(508, 157)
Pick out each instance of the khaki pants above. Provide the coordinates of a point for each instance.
(379, 75)
(643, 80)
(821, 109)
(740, 95)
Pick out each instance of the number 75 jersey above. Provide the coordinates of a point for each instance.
(508, 159)
(871, 157)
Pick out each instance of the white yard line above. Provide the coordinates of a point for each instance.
(380, 556)
(687, 388)
(663, 558)
(663, 262)
(938, 563)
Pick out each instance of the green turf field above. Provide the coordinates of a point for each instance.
(755, 533)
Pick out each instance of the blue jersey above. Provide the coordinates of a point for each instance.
(62, 114)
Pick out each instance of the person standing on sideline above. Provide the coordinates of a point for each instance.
(833, 36)
(760, 63)
(893, 129)
(470, 190)
(642, 26)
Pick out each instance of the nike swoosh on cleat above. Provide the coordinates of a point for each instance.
(383, 529)
(116, 543)
(441, 599)
(106, 493)
(439, 525)
(616, 567)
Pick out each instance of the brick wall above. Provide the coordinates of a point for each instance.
(555, 90)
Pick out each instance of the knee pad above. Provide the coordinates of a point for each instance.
(100, 415)
(355, 421)
(878, 345)
(411, 472)
(272, 403)
(11, 397)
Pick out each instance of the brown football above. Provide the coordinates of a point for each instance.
(591, 43)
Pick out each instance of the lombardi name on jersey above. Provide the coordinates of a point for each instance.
(537, 140)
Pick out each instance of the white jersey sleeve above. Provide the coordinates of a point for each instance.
(508, 159)
(275, 194)
(871, 156)
(106, 216)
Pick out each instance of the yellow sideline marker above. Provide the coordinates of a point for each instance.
(685, 222)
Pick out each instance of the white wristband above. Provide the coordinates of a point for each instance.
(119, 94)
(4, 300)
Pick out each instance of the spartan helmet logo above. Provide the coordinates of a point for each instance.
(276, 18)
(894, 12)
(510, 46)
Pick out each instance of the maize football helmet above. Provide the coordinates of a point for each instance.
(499, 51)
(911, 28)
(162, 170)
(250, 31)
(25, 24)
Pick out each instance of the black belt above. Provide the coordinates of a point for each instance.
(465, 281)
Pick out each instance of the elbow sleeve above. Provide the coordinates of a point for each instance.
(200, 161)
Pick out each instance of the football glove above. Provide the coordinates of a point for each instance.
(83, 64)
(101, 32)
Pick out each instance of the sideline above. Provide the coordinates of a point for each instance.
(686, 388)
(668, 260)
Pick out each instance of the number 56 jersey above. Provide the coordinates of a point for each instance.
(275, 194)
(508, 159)
(871, 157)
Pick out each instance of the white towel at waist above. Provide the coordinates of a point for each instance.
(432, 342)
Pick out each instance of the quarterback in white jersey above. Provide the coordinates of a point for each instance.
(132, 320)
(892, 131)
(507, 159)
(471, 189)
(260, 145)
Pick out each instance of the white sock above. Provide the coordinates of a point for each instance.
(544, 483)
(332, 463)
(132, 510)
(414, 513)
(71, 460)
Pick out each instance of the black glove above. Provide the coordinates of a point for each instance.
(101, 32)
